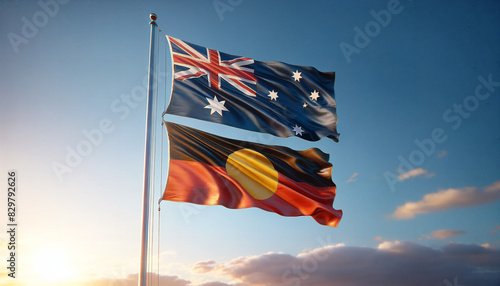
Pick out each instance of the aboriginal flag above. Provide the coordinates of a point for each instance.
(210, 170)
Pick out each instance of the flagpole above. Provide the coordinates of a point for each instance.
(147, 159)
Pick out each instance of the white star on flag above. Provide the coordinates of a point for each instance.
(296, 75)
(273, 95)
(298, 130)
(304, 105)
(216, 105)
(314, 95)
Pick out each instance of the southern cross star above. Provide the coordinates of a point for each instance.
(273, 95)
(298, 130)
(314, 95)
(297, 75)
(216, 106)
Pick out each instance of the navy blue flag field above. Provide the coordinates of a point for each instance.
(270, 97)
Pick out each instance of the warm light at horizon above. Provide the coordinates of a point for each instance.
(50, 265)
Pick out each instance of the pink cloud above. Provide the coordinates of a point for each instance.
(411, 174)
(353, 178)
(203, 267)
(391, 263)
(446, 233)
(442, 153)
(448, 199)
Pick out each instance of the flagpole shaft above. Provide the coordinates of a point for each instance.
(147, 159)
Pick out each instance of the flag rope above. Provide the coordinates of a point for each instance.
(158, 248)
(153, 174)
(161, 169)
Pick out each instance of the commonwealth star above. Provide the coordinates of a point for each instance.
(216, 105)
(298, 130)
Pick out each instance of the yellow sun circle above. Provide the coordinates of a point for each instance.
(254, 172)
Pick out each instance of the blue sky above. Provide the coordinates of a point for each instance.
(417, 166)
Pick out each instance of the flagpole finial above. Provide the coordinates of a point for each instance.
(153, 17)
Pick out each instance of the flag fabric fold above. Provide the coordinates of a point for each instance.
(211, 170)
(270, 97)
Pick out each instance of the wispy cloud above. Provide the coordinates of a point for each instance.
(494, 231)
(353, 178)
(442, 153)
(446, 233)
(412, 174)
(448, 199)
(204, 267)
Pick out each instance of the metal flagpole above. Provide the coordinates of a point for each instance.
(147, 159)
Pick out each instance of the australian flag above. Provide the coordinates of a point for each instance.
(270, 97)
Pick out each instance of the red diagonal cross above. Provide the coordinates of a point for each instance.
(213, 68)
